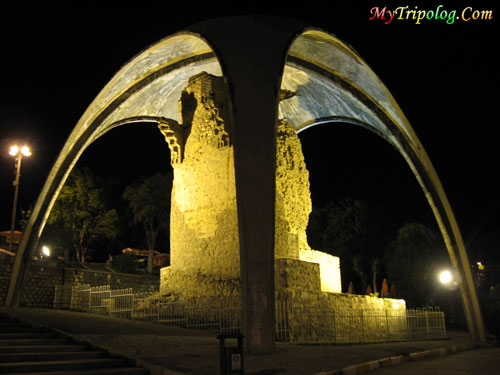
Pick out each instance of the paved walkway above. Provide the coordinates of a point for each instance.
(183, 351)
(472, 362)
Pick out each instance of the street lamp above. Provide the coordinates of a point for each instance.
(45, 251)
(445, 277)
(449, 279)
(18, 153)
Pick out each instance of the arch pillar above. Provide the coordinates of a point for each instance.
(253, 68)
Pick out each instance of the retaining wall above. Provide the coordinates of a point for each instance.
(43, 278)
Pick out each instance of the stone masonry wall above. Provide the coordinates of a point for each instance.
(293, 197)
(4, 280)
(314, 315)
(39, 286)
(293, 207)
(43, 279)
(319, 316)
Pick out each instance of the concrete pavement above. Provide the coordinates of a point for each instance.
(183, 351)
(485, 361)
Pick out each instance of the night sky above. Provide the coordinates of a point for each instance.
(444, 77)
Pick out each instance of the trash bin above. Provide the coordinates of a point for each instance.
(231, 357)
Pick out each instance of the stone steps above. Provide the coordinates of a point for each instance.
(28, 350)
(33, 342)
(49, 356)
(31, 365)
(101, 371)
(42, 348)
(5, 337)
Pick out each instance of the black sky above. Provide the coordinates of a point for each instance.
(444, 77)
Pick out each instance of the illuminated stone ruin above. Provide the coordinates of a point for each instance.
(204, 245)
(293, 207)
(204, 227)
(205, 260)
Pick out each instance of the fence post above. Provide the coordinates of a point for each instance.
(71, 301)
(441, 314)
(408, 322)
(334, 327)
(362, 326)
(387, 323)
(426, 311)
(132, 314)
(158, 318)
(220, 318)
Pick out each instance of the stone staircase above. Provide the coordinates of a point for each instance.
(27, 350)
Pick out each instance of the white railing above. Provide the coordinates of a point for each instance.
(294, 323)
(219, 315)
(301, 324)
(426, 323)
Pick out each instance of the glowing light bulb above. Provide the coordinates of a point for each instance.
(445, 277)
(46, 251)
(25, 150)
(14, 150)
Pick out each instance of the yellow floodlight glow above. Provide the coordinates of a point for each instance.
(25, 150)
(14, 150)
(329, 269)
(46, 251)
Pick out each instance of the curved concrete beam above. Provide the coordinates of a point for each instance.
(369, 95)
(168, 63)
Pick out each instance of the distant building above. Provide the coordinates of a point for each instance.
(160, 259)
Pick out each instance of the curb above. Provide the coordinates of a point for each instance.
(396, 360)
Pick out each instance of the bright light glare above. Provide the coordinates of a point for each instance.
(14, 150)
(445, 277)
(46, 251)
(25, 150)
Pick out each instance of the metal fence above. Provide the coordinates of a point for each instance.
(426, 323)
(219, 315)
(347, 326)
(294, 323)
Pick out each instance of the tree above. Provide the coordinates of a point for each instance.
(349, 229)
(338, 228)
(150, 204)
(80, 219)
(412, 261)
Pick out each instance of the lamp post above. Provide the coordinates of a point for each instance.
(18, 153)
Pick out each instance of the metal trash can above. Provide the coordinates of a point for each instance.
(231, 357)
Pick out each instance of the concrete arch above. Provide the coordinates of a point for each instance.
(269, 53)
(370, 104)
(164, 67)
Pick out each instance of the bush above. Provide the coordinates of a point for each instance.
(126, 263)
